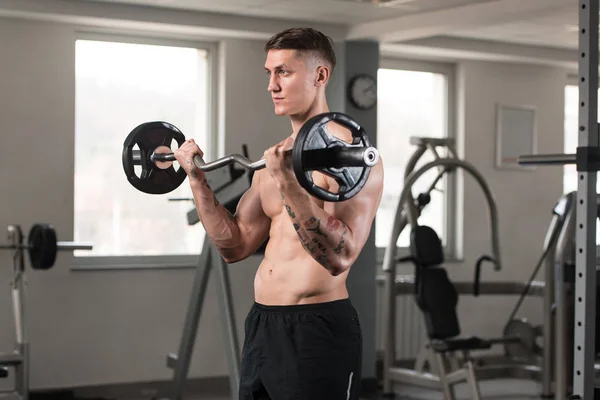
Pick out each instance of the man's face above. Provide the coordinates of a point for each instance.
(291, 81)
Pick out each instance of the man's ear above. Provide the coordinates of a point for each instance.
(322, 75)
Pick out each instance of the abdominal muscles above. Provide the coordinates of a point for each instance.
(289, 274)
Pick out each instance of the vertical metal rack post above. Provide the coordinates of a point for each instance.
(587, 167)
(587, 160)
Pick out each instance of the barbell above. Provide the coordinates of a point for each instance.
(315, 149)
(42, 244)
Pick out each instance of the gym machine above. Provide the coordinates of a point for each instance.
(229, 184)
(587, 160)
(408, 211)
(549, 364)
(524, 357)
(42, 247)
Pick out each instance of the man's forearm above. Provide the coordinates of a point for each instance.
(325, 237)
(218, 222)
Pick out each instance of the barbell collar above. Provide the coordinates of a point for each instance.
(371, 156)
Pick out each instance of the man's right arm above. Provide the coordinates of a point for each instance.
(235, 237)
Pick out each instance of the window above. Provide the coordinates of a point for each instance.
(413, 100)
(119, 85)
(571, 142)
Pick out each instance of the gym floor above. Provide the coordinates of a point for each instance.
(505, 389)
(490, 390)
(498, 390)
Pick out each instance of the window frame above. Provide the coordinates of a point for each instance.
(134, 262)
(452, 249)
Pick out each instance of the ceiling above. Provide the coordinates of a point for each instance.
(556, 28)
(550, 23)
(338, 11)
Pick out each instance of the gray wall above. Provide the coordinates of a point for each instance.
(525, 199)
(116, 326)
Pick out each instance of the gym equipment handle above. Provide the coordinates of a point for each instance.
(547, 159)
(478, 273)
(319, 159)
(59, 246)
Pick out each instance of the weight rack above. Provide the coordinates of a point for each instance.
(587, 160)
(19, 357)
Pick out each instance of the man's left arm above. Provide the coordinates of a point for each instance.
(334, 235)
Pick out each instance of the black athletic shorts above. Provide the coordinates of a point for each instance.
(301, 352)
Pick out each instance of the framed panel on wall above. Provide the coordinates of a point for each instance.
(516, 134)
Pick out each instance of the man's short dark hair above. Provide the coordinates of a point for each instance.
(304, 40)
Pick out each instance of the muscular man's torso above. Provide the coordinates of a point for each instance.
(288, 274)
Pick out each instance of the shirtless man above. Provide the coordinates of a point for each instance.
(302, 335)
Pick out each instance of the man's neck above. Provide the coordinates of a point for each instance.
(300, 119)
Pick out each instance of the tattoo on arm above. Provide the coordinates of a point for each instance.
(338, 249)
(314, 225)
(310, 230)
(289, 211)
(320, 257)
(193, 172)
(333, 223)
(319, 245)
(324, 261)
(216, 203)
(305, 243)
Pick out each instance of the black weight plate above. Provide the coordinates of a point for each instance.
(313, 136)
(526, 348)
(42, 246)
(148, 136)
